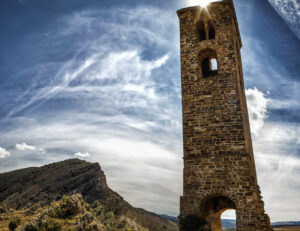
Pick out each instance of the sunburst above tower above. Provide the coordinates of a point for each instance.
(202, 3)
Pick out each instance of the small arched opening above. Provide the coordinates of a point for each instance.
(208, 63)
(212, 210)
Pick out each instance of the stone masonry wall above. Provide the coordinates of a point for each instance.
(218, 156)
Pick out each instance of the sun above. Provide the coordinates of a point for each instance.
(202, 3)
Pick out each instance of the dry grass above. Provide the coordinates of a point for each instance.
(289, 228)
(5, 219)
(293, 228)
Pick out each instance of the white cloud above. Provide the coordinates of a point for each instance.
(257, 109)
(82, 154)
(139, 169)
(4, 153)
(136, 156)
(25, 147)
(229, 214)
(278, 167)
(276, 149)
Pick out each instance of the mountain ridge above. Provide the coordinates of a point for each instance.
(23, 188)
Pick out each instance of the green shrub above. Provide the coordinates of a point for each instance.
(92, 227)
(14, 224)
(122, 225)
(50, 225)
(3, 209)
(67, 208)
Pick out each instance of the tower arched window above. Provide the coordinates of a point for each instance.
(205, 30)
(208, 63)
(201, 31)
(211, 30)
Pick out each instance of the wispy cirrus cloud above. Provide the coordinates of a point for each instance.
(105, 64)
(57, 83)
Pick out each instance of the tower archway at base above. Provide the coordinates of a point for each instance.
(212, 209)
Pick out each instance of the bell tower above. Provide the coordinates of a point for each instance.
(219, 167)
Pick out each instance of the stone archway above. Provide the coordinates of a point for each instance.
(212, 208)
(205, 58)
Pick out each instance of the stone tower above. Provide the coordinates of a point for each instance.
(219, 167)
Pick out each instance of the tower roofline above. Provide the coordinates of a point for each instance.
(211, 5)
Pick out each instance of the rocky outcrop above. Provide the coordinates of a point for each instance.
(24, 188)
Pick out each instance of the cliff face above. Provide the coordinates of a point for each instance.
(22, 189)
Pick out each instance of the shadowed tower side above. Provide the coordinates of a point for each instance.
(219, 167)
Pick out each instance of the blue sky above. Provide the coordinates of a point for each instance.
(100, 80)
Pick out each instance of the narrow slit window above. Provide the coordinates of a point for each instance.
(201, 31)
(211, 31)
(202, 34)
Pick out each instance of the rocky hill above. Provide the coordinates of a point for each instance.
(27, 195)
